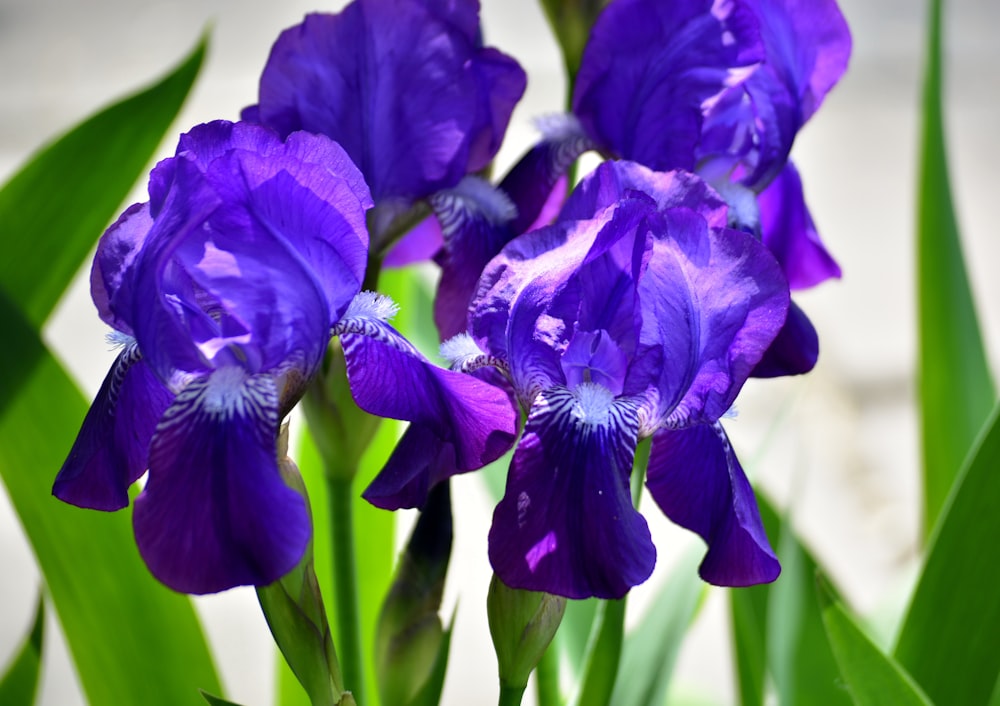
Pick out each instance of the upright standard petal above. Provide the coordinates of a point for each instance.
(216, 513)
(695, 478)
(651, 67)
(113, 272)
(402, 84)
(112, 448)
(566, 524)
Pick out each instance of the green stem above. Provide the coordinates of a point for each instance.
(547, 677)
(345, 584)
(510, 695)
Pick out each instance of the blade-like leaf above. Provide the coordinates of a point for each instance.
(948, 641)
(132, 640)
(872, 677)
(956, 389)
(603, 655)
(19, 684)
(780, 626)
(215, 700)
(651, 649)
(54, 209)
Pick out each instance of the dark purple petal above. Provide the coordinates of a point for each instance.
(113, 272)
(713, 299)
(401, 84)
(111, 450)
(476, 223)
(419, 244)
(787, 230)
(216, 512)
(566, 524)
(649, 69)
(533, 181)
(419, 462)
(795, 349)
(695, 478)
(389, 378)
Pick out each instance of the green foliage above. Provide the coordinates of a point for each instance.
(872, 678)
(956, 389)
(19, 684)
(132, 640)
(948, 640)
(778, 629)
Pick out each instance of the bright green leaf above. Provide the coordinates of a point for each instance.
(54, 209)
(651, 649)
(603, 655)
(215, 700)
(779, 626)
(19, 684)
(872, 678)
(948, 641)
(956, 389)
(132, 640)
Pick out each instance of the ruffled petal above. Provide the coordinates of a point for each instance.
(787, 230)
(390, 378)
(566, 524)
(113, 272)
(649, 69)
(713, 299)
(695, 478)
(401, 84)
(111, 450)
(794, 351)
(216, 513)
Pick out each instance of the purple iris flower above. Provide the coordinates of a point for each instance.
(637, 314)
(224, 290)
(722, 87)
(404, 85)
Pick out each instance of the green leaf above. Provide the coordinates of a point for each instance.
(603, 655)
(651, 649)
(132, 639)
(19, 684)
(215, 700)
(779, 626)
(872, 677)
(948, 641)
(54, 209)
(430, 695)
(956, 388)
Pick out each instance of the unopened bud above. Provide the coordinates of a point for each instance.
(522, 624)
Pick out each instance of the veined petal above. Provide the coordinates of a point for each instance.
(566, 524)
(216, 512)
(420, 461)
(787, 230)
(794, 351)
(111, 450)
(113, 271)
(651, 67)
(390, 378)
(695, 478)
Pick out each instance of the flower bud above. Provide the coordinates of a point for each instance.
(522, 624)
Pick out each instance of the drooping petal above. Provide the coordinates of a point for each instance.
(476, 223)
(794, 351)
(111, 450)
(695, 478)
(649, 69)
(401, 84)
(787, 230)
(713, 299)
(216, 512)
(566, 524)
(390, 378)
(420, 461)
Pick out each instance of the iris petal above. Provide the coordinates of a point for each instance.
(695, 478)
(111, 450)
(794, 350)
(420, 460)
(216, 512)
(566, 524)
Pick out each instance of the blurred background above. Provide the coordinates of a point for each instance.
(837, 448)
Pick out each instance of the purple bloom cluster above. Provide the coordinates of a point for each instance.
(634, 309)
